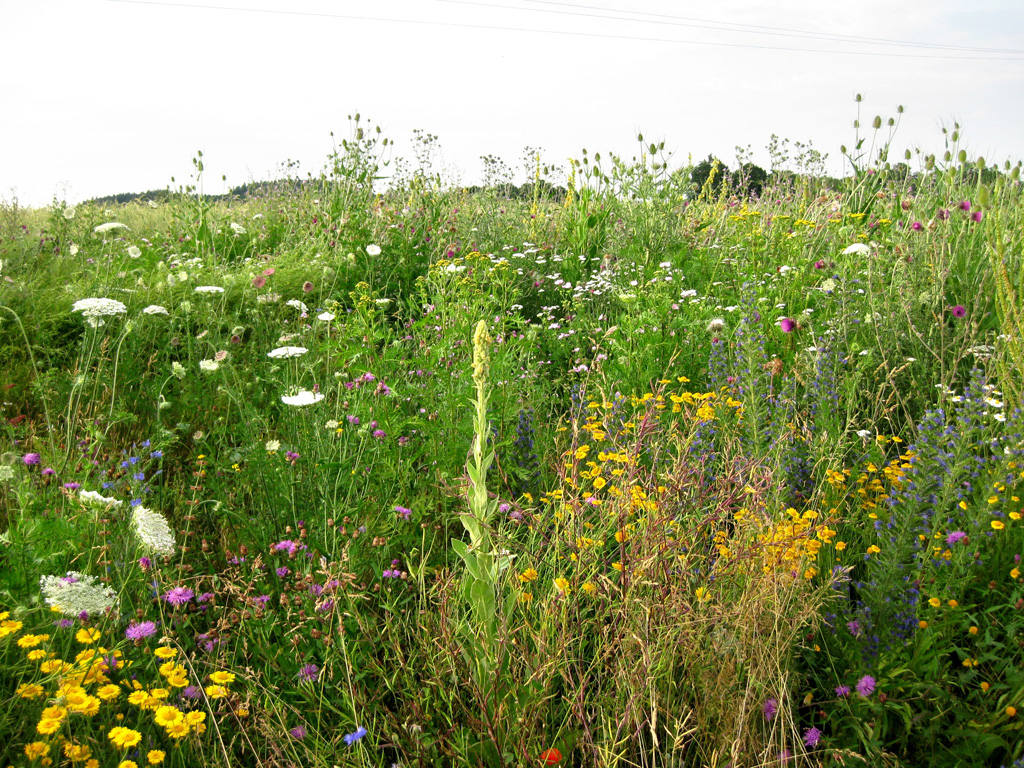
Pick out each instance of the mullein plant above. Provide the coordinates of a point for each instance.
(485, 564)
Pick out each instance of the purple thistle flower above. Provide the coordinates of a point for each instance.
(977, 216)
(965, 205)
(943, 214)
(842, 691)
(404, 512)
(353, 420)
(66, 623)
(179, 595)
(283, 571)
(352, 738)
(31, 459)
(380, 434)
(866, 686)
(48, 471)
(955, 537)
(298, 732)
(854, 627)
(771, 706)
(959, 310)
(787, 325)
(916, 226)
(811, 737)
(191, 692)
(310, 672)
(137, 631)
(72, 486)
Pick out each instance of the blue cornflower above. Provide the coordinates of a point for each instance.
(352, 738)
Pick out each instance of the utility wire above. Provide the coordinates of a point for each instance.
(725, 26)
(495, 27)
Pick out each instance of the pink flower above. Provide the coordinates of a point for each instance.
(917, 225)
(307, 287)
(31, 459)
(268, 271)
(179, 595)
(259, 281)
(866, 686)
(965, 205)
(787, 325)
(959, 310)
(977, 216)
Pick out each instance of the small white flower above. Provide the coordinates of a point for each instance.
(297, 305)
(153, 531)
(93, 310)
(154, 309)
(325, 316)
(864, 434)
(373, 250)
(856, 248)
(134, 251)
(77, 593)
(108, 227)
(74, 250)
(208, 366)
(209, 289)
(282, 352)
(268, 298)
(993, 402)
(238, 229)
(97, 500)
(304, 397)
(332, 424)
(272, 446)
(69, 212)
(716, 325)
(177, 370)
(383, 302)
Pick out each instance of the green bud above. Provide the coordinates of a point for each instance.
(877, 122)
(983, 196)
(961, 156)
(907, 155)
(857, 98)
(980, 163)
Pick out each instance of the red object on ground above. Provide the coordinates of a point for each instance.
(551, 756)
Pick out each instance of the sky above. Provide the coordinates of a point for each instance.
(112, 96)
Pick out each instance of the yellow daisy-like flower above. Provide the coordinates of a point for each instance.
(589, 587)
(953, 604)
(1011, 711)
(89, 706)
(216, 691)
(138, 698)
(177, 729)
(87, 635)
(997, 525)
(528, 575)
(840, 545)
(222, 677)
(165, 652)
(973, 630)
(873, 550)
(167, 715)
(1015, 573)
(922, 624)
(49, 725)
(31, 641)
(984, 687)
(109, 692)
(177, 680)
(934, 602)
(77, 753)
(92, 763)
(50, 666)
(195, 717)
(562, 585)
(123, 738)
(155, 756)
(29, 691)
(127, 764)
(36, 749)
(36, 654)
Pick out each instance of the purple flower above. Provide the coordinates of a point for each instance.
(955, 537)
(943, 214)
(298, 732)
(380, 434)
(137, 631)
(787, 325)
(866, 686)
(145, 563)
(854, 627)
(292, 456)
(352, 738)
(959, 310)
(977, 216)
(48, 471)
(917, 225)
(819, 264)
(965, 205)
(287, 545)
(404, 512)
(179, 595)
(310, 672)
(283, 571)
(353, 420)
(66, 623)
(811, 737)
(191, 692)
(842, 691)
(31, 459)
(771, 706)
(72, 486)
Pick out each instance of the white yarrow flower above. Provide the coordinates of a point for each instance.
(69, 212)
(272, 446)
(134, 251)
(281, 352)
(177, 370)
(304, 397)
(373, 250)
(153, 530)
(76, 593)
(154, 309)
(238, 229)
(208, 366)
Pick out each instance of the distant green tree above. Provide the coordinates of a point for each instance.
(750, 179)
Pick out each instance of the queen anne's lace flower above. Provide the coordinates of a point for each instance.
(302, 398)
(94, 310)
(77, 593)
(209, 289)
(208, 366)
(109, 226)
(297, 305)
(287, 352)
(97, 500)
(153, 530)
(154, 309)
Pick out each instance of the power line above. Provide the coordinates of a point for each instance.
(568, 33)
(748, 28)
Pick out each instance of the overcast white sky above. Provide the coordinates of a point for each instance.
(108, 96)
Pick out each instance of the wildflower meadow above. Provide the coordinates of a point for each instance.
(625, 466)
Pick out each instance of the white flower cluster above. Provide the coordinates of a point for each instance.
(154, 309)
(208, 366)
(287, 352)
(302, 398)
(153, 531)
(297, 305)
(208, 289)
(94, 310)
(77, 593)
(97, 500)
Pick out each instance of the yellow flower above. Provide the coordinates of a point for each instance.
(952, 603)
(997, 525)
(589, 587)
(31, 641)
(127, 764)
(36, 749)
(984, 687)
(1015, 573)
(222, 678)
(935, 602)
(973, 630)
(167, 715)
(30, 691)
(165, 652)
(50, 666)
(49, 725)
(177, 729)
(216, 691)
(155, 756)
(109, 692)
(527, 576)
(76, 753)
(123, 738)
(138, 698)
(36, 654)
(617, 566)
(1011, 711)
(840, 545)
(922, 624)
(177, 680)
(873, 550)
(87, 635)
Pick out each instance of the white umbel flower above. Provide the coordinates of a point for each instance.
(109, 226)
(209, 289)
(304, 397)
(208, 366)
(154, 309)
(76, 593)
(97, 500)
(153, 531)
(287, 352)
(94, 310)
(297, 305)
